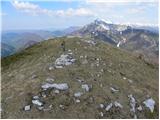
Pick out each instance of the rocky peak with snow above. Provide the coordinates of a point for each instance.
(102, 21)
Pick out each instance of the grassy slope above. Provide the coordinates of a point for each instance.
(18, 87)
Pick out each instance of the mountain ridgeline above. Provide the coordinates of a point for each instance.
(136, 40)
(141, 41)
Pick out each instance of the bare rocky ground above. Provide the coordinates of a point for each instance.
(89, 80)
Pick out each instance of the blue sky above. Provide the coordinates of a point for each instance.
(57, 14)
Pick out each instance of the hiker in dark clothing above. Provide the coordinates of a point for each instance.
(63, 46)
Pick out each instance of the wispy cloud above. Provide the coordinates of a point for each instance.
(34, 9)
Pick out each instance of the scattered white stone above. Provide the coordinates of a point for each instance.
(47, 86)
(49, 79)
(117, 104)
(101, 114)
(130, 81)
(51, 67)
(78, 94)
(34, 76)
(58, 66)
(101, 106)
(60, 86)
(86, 87)
(91, 42)
(98, 75)
(114, 90)
(35, 97)
(69, 50)
(70, 53)
(149, 103)
(97, 64)
(124, 78)
(57, 91)
(102, 70)
(50, 106)
(133, 105)
(80, 81)
(78, 101)
(139, 108)
(64, 60)
(81, 56)
(27, 107)
(118, 43)
(37, 102)
(109, 107)
(10, 97)
(40, 108)
(44, 95)
(61, 106)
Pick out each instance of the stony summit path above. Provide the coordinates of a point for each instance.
(81, 100)
(50, 86)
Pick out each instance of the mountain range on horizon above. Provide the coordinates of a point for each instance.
(137, 39)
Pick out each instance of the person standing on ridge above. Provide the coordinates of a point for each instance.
(63, 46)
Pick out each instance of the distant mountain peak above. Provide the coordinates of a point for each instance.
(98, 20)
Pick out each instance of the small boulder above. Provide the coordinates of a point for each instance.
(57, 91)
(35, 97)
(61, 107)
(78, 94)
(114, 90)
(150, 103)
(37, 102)
(101, 106)
(108, 107)
(117, 104)
(139, 108)
(27, 107)
(86, 87)
(77, 101)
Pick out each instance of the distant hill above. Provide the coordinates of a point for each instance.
(6, 50)
(65, 32)
(19, 41)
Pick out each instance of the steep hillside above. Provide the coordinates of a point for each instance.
(91, 79)
(6, 50)
(19, 41)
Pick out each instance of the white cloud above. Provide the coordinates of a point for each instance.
(37, 10)
(25, 5)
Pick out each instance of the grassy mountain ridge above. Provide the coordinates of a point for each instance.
(115, 68)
